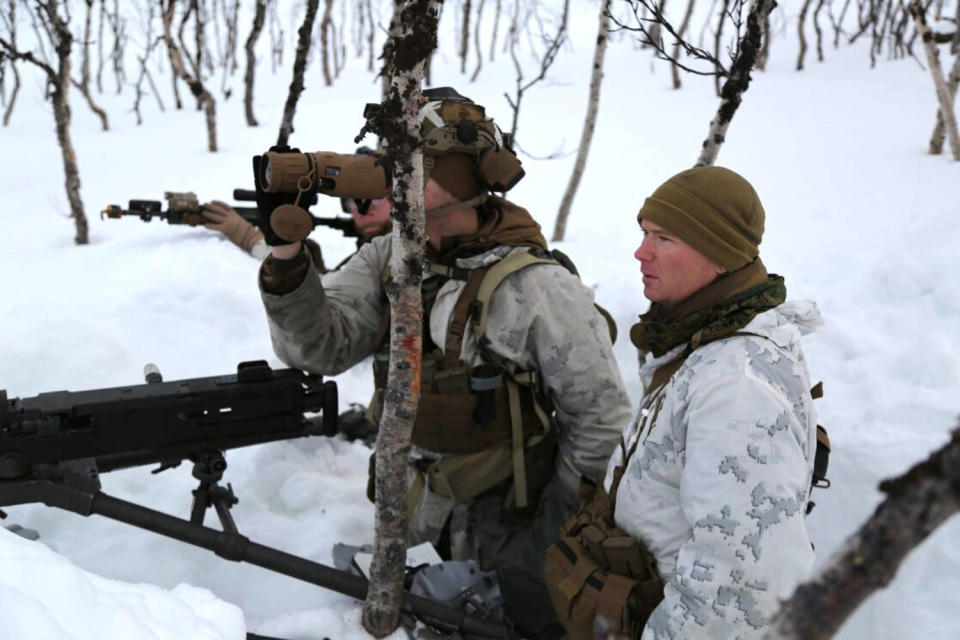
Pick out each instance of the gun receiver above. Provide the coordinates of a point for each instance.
(53, 447)
(183, 207)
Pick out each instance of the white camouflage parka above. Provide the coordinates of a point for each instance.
(541, 318)
(718, 484)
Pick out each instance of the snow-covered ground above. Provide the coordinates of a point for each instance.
(859, 218)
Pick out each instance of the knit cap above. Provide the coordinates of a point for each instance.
(714, 210)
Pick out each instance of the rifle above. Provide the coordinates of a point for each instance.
(183, 207)
(53, 447)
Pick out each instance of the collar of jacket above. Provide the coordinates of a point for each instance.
(722, 307)
(501, 223)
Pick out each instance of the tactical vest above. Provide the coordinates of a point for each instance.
(489, 423)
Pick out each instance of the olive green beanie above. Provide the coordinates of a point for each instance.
(712, 209)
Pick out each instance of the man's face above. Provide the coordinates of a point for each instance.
(672, 269)
(375, 220)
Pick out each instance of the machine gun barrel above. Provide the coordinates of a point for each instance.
(163, 422)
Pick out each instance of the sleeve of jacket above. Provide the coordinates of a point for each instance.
(327, 327)
(743, 490)
(566, 339)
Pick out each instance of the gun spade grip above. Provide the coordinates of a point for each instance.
(291, 223)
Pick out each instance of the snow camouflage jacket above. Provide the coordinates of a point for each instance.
(718, 487)
(541, 318)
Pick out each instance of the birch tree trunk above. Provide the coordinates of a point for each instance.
(196, 86)
(476, 42)
(917, 503)
(58, 32)
(738, 81)
(12, 15)
(589, 123)
(250, 74)
(299, 65)
(940, 130)
(325, 24)
(939, 82)
(84, 84)
(465, 36)
(674, 69)
(801, 34)
(399, 122)
(496, 26)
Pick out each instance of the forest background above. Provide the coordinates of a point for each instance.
(861, 218)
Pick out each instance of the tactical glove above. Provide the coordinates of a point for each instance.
(224, 219)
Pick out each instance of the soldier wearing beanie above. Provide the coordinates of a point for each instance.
(712, 481)
(520, 392)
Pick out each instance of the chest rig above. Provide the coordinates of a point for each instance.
(487, 423)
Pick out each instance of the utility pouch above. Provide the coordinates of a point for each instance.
(597, 570)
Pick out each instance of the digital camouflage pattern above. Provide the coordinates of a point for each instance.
(718, 487)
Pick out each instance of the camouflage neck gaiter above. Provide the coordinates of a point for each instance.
(722, 307)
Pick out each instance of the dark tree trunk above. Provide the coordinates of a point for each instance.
(248, 76)
(12, 15)
(737, 82)
(299, 65)
(674, 70)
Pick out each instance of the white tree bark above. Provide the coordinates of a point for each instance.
(940, 130)
(399, 122)
(589, 123)
(939, 82)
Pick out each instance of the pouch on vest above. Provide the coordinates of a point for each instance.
(598, 570)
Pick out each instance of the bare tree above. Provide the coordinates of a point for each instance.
(58, 85)
(465, 35)
(150, 44)
(674, 69)
(476, 42)
(917, 503)
(228, 60)
(496, 26)
(589, 123)
(940, 130)
(11, 19)
(939, 82)
(552, 41)
(299, 65)
(118, 26)
(194, 82)
(325, 24)
(398, 120)
(102, 19)
(818, 30)
(83, 85)
(801, 34)
(260, 13)
(276, 39)
(737, 82)
(371, 35)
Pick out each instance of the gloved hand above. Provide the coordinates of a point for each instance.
(224, 219)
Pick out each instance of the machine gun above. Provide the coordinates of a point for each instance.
(183, 207)
(53, 447)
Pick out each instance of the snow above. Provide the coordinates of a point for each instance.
(859, 218)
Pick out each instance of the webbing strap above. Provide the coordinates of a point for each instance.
(458, 319)
(495, 275)
(519, 464)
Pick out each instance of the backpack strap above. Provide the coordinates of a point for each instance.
(496, 275)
